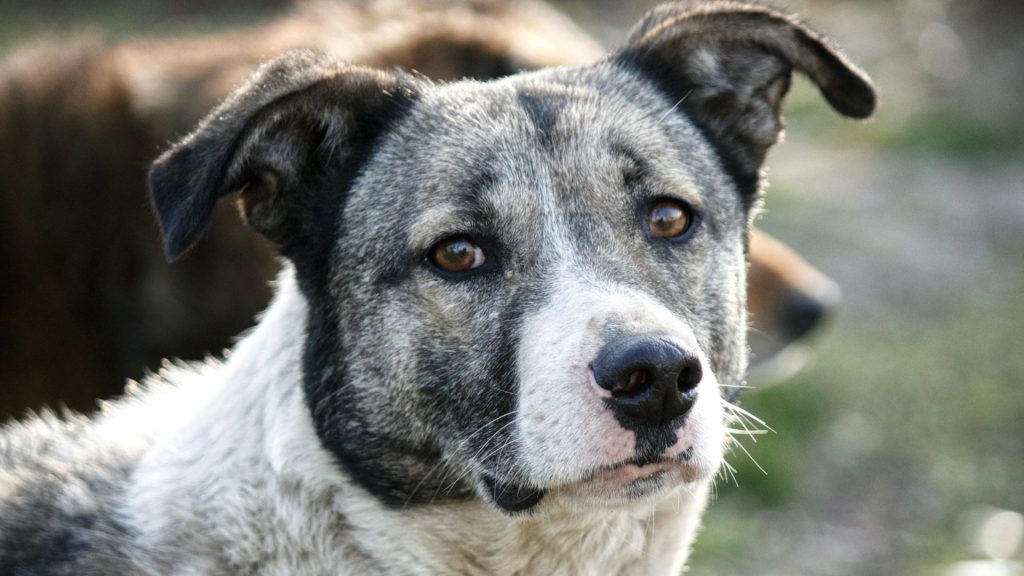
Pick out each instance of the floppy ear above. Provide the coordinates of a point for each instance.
(729, 65)
(296, 120)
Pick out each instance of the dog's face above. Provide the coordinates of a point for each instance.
(528, 270)
(528, 287)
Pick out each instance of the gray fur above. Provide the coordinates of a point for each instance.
(362, 426)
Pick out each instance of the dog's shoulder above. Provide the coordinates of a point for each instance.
(58, 489)
(62, 483)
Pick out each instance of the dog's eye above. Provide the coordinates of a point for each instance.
(457, 254)
(669, 219)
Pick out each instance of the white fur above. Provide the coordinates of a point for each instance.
(236, 479)
(565, 431)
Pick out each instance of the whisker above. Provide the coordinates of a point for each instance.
(674, 106)
(447, 461)
(483, 453)
(737, 410)
(746, 432)
(749, 455)
(730, 471)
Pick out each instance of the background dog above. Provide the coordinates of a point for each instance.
(80, 121)
(501, 343)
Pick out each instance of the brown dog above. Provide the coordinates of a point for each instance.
(88, 297)
(787, 298)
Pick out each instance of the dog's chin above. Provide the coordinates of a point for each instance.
(610, 486)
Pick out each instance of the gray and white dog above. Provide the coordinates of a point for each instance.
(511, 316)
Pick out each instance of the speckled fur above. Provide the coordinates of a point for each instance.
(359, 427)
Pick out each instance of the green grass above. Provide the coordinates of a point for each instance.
(933, 407)
(944, 133)
(935, 130)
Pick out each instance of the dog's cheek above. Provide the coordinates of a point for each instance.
(711, 297)
(726, 340)
(362, 376)
(462, 349)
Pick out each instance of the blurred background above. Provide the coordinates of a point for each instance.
(899, 449)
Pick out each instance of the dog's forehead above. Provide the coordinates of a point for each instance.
(535, 157)
(547, 112)
(571, 127)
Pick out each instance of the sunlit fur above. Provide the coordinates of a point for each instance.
(384, 413)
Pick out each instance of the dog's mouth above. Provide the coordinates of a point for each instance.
(511, 497)
(630, 474)
(636, 470)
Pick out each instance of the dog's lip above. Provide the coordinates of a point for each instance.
(515, 498)
(511, 497)
(638, 468)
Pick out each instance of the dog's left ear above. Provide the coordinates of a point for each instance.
(274, 140)
(728, 64)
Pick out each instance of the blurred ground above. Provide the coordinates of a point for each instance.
(895, 452)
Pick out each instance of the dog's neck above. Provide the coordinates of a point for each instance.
(244, 467)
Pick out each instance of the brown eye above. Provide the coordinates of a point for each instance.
(669, 219)
(457, 254)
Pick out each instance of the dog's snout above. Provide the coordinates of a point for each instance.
(652, 379)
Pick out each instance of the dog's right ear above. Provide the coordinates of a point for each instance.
(727, 65)
(274, 139)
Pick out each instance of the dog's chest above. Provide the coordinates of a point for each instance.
(466, 539)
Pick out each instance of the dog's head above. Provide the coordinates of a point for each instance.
(522, 287)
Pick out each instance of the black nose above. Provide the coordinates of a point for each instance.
(802, 313)
(652, 379)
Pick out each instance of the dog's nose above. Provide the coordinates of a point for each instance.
(652, 379)
(802, 313)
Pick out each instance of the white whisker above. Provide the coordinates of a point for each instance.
(674, 106)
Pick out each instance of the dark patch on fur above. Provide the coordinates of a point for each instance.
(377, 460)
(363, 450)
(543, 110)
(329, 190)
(651, 441)
(636, 167)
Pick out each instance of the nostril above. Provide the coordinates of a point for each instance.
(690, 375)
(649, 379)
(636, 383)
